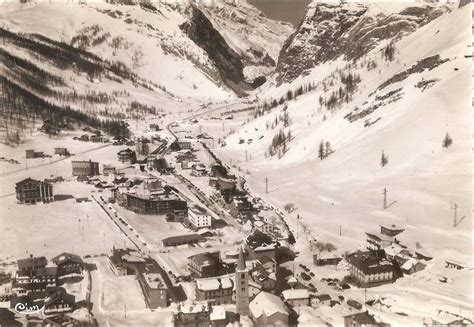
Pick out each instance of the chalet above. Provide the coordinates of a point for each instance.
(32, 191)
(222, 183)
(391, 230)
(35, 280)
(85, 168)
(59, 301)
(192, 314)
(326, 259)
(198, 170)
(84, 138)
(321, 299)
(127, 156)
(182, 239)
(368, 269)
(218, 316)
(296, 297)
(269, 264)
(61, 151)
(394, 250)
(260, 244)
(242, 207)
(68, 263)
(264, 227)
(215, 290)
(379, 241)
(205, 264)
(31, 263)
(412, 266)
(152, 284)
(264, 279)
(360, 319)
(267, 309)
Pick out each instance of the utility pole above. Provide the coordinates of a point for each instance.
(246, 156)
(456, 221)
(266, 185)
(385, 198)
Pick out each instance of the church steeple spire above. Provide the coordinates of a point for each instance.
(242, 286)
(241, 263)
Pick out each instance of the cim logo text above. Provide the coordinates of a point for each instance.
(25, 309)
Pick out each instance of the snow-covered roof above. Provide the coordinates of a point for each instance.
(393, 249)
(409, 264)
(154, 280)
(218, 313)
(208, 284)
(295, 294)
(211, 284)
(267, 304)
(191, 307)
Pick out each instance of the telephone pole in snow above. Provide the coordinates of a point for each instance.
(266, 185)
(456, 221)
(385, 198)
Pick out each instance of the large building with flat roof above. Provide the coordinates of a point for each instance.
(32, 191)
(85, 168)
(162, 204)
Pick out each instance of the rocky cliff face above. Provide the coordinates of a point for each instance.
(227, 61)
(350, 30)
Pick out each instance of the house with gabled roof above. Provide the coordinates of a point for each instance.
(59, 301)
(267, 309)
(68, 263)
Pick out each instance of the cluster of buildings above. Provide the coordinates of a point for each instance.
(31, 154)
(262, 307)
(37, 284)
(125, 262)
(385, 259)
(95, 136)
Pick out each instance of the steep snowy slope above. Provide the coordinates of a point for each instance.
(152, 40)
(349, 30)
(403, 106)
(256, 38)
(148, 41)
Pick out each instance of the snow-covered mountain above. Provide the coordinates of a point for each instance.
(163, 42)
(349, 30)
(367, 88)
